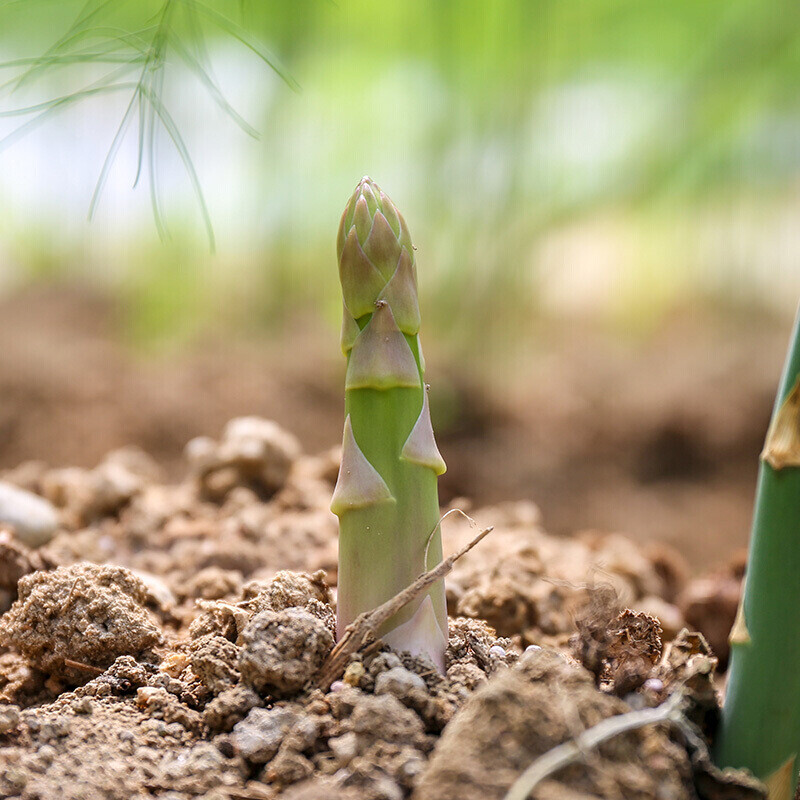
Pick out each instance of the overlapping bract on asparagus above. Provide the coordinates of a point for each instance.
(386, 495)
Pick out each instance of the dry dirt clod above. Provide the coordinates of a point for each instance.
(524, 712)
(399, 682)
(252, 452)
(85, 495)
(9, 718)
(531, 584)
(288, 767)
(16, 561)
(82, 613)
(213, 660)
(384, 718)
(229, 707)
(288, 589)
(504, 604)
(282, 650)
(212, 583)
(385, 771)
(159, 703)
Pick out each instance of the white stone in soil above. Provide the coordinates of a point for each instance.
(33, 518)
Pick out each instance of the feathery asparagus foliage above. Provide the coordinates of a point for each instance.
(761, 716)
(386, 496)
(136, 61)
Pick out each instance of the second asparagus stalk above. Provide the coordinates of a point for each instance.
(761, 716)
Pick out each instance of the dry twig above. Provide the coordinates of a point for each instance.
(68, 662)
(363, 628)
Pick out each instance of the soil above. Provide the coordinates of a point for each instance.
(167, 642)
(656, 436)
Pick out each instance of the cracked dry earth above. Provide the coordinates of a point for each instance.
(166, 642)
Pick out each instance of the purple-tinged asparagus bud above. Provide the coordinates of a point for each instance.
(376, 258)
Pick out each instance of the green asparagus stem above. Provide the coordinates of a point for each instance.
(386, 496)
(761, 716)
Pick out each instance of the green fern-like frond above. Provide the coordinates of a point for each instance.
(139, 57)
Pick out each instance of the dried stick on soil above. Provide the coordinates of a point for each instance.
(68, 662)
(359, 632)
(569, 752)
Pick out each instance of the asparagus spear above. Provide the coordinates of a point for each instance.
(761, 717)
(386, 496)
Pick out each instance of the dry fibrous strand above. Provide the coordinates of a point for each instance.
(578, 748)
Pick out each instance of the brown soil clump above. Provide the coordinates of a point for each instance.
(110, 748)
(523, 713)
(78, 619)
(283, 650)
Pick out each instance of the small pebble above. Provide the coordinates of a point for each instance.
(654, 685)
(344, 747)
(532, 648)
(225, 746)
(399, 682)
(259, 736)
(496, 651)
(33, 518)
(354, 673)
(47, 753)
(82, 705)
(338, 686)
(9, 718)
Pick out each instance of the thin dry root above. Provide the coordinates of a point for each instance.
(574, 750)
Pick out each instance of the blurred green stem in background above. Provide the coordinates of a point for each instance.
(761, 716)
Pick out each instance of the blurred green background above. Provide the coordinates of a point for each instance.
(568, 157)
(579, 177)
